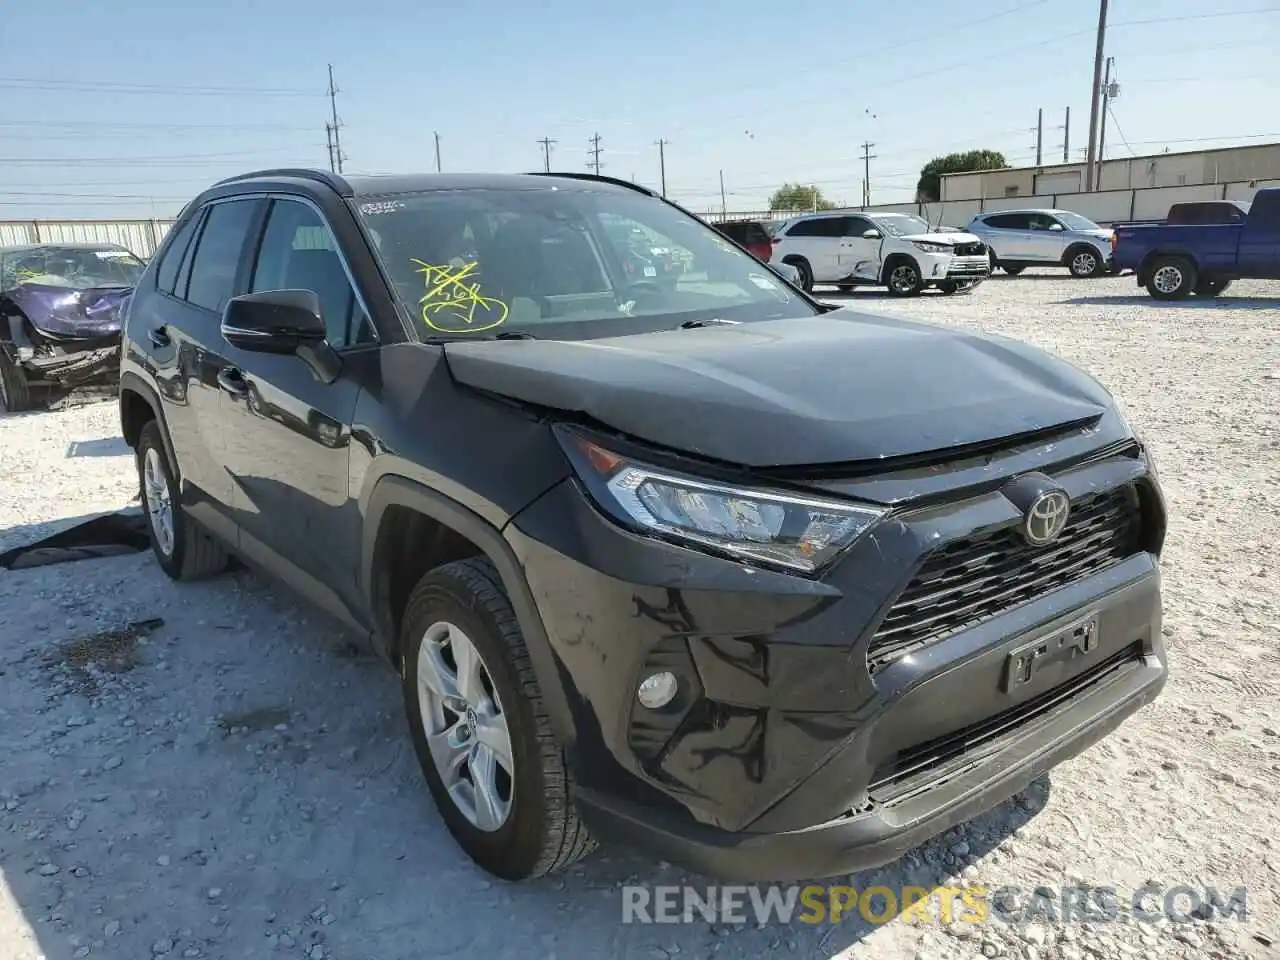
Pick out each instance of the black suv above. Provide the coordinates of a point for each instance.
(770, 590)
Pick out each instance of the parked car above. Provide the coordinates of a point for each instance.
(1186, 254)
(1044, 238)
(751, 235)
(60, 306)
(893, 250)
(768, 590)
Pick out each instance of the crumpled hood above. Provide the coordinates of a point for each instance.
(90, 312)
(840, 387)
(947, 237)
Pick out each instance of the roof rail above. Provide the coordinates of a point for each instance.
(597, 177)
(331, 180)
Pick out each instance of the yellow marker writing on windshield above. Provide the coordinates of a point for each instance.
(449, 294)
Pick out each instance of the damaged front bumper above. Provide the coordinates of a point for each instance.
(48, 359)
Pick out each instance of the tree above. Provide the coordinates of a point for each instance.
(929, 189)
(796, 196)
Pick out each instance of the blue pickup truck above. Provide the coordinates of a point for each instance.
(1202, 255)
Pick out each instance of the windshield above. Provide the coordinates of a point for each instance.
(76, 267)
(572, 263)
(1073, 221)
(904, 226)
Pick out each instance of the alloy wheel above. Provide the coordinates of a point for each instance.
(1167, 279)
(465, 726)
(903, 278)
(1084, 264)
(159, 504)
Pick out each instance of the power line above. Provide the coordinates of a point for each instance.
(95, 125)
(104, 86)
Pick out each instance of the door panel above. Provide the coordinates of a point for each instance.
(859, 256)
(1259, 250)
(288, 431)
(1044, 243)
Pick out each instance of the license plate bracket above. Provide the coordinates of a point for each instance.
(1023, 662)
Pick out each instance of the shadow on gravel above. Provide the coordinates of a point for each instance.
(236, 782)
(103, 447)
(86, 538)
(1225, 302)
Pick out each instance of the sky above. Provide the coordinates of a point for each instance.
(129, 109)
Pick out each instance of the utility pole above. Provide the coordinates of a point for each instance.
(546, 153)
(594, 162)
(867, 157)
(1091, 155)
(1040, 136)
(1066, 137)
(662, 165)
(328, 136)
(1102, 123)
(336, 155)
(437, 134)
(724, 205)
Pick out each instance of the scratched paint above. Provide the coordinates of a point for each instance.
(453, 301)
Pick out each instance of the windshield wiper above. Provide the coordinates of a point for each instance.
(714, 321)
(436, 341)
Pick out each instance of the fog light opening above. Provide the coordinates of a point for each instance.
(657, 690)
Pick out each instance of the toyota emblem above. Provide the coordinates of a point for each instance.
(1046, 517)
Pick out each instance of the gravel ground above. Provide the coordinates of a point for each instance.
(211, 770)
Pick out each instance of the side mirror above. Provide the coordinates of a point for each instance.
(276, 321)
(871, 235)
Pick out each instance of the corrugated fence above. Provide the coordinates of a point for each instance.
(1103, 206)
(140, 236)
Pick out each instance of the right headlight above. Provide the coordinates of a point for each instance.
(767, 526)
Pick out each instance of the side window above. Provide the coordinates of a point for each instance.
(856, 226)
(807, 228)
(1015, 221)
(217, 255)
(1041, 221)
(167, 271)
(298, 252)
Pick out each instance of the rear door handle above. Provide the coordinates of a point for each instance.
(159, 337)
(231, 380)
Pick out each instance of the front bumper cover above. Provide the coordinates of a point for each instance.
(783, 748)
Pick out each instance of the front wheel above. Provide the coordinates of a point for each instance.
(949, 287)
(183, 550)
(805, 272)
(479, 727)
(15, 394)
(1085, 262)
(904, 279)
(1171, 278)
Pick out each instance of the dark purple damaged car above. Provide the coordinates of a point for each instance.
(60, 316)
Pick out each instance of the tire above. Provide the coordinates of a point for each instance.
(15, 395)
(949, 287)
(1210, 287)
(1012, 271)
(846, 287)
(903, 279)
(1171, 278)
(183, 550)
(535, 829)
(805, 271)
(1084, 262)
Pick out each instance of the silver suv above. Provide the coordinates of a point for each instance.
(1018, 239)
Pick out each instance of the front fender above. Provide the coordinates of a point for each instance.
(389, 491)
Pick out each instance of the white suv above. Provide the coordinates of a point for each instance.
(893, 250)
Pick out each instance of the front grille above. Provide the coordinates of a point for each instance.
(926, 765)
(976, 578)
(968, 268)
(970, 249)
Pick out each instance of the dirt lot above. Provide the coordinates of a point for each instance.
(229, 778)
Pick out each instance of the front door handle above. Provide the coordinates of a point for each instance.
(159, 337)
(231, 380)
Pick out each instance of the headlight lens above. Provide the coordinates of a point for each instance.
(929, 247)
(772, 527)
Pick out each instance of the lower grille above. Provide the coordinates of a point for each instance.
(927, 765)
(976, 578)
(970, 268)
